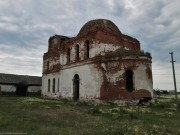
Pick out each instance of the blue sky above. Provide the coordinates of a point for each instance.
(26, 25)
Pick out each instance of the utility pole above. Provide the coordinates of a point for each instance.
(175, 89)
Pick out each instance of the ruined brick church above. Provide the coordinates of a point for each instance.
(99, 64)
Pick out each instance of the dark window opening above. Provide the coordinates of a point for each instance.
(77, 52)
(48, 65)
(58, 84)
(54, 84)
(86, 53)
(48, 85)
(76, 87)
(129, 81)
(68, 55)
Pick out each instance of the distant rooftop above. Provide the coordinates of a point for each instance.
(15, 79)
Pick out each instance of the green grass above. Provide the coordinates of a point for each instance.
(37, 116)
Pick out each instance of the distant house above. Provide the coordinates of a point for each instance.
(19, 84)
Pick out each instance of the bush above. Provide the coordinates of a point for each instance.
(137, 53)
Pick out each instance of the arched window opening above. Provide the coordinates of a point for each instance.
(76, 87)
(54, 84)
(68, 55)
(58, 84)
(86, 53)
(48, 65)
(77, 52)
(129, 81)
(49, 85)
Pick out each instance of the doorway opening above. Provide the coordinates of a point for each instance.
(21, 89)
(76, 87)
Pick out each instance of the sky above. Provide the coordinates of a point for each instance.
(26, 25)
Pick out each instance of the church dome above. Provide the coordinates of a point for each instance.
(99, 24)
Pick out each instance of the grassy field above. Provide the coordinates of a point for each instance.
(37, 116)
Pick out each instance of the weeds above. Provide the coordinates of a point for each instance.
(35, 115)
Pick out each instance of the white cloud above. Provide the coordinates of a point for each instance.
(163, 75)
(25, 27)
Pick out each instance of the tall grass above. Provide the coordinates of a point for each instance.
(37, 116)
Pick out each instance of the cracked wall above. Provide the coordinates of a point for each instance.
(103, 74)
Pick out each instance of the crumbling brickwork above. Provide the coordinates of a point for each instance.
(100, 63)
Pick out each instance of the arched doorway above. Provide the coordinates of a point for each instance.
(129, 81)
(21, 89)
(76, 87)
